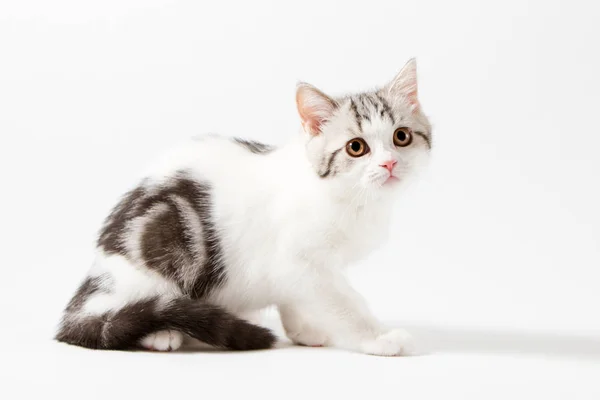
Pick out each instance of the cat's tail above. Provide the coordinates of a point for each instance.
(124, 328)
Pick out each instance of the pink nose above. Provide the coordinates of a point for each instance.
(389, 165)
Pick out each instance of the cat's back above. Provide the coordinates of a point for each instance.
(236, 175)
(211, 158)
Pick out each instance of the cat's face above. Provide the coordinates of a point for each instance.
(369, 142)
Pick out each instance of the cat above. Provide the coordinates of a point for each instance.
(221, 227)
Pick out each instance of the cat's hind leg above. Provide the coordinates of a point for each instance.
(120, 306)
(166, 340)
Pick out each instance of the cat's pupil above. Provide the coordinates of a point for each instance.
(401, 136)
(356, 146)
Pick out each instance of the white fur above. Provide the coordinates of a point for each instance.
(393, 343)
(287, 235)
(163, 341)
(128, 283)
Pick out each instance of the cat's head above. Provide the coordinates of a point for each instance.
(370, 141)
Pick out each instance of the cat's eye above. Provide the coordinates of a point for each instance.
(402, 137)
(357, 147)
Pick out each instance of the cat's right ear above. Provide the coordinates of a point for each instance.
(314, 107)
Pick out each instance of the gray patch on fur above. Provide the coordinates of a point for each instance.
(254, 146)
(386, 110)
(88, 287)
(356, 114)
(129, 207)
(328, 165)
(177, 238)
(425, 137)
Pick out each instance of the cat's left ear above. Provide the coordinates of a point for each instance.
(405, 85)
(315, 107)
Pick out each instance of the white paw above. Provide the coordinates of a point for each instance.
(393, 343)
(308, 337)
(163, 341)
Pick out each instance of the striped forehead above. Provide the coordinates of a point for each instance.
(371, 112)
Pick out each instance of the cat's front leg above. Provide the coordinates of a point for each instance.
(341, 315)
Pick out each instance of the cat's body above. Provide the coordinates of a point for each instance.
(222, 227)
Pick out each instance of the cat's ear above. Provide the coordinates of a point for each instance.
(314, 107)
(405, 85)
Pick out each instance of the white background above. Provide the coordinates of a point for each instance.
(495, 258)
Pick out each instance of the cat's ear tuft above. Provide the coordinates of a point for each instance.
(405, 85)
(315, 107)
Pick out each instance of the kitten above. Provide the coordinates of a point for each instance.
(222, 227)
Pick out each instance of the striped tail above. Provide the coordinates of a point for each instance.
(123, 329)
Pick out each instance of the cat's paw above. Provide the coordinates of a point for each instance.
(163, 341)
(396, 342)
(308, 337)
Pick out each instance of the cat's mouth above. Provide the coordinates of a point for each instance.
(385, 179)
(390, 180)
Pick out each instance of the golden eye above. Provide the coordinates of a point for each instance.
(357, 147)
(402, 137)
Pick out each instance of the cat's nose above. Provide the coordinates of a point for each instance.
(389, 165)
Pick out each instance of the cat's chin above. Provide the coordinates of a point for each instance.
(391, 180)
(391, 186)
